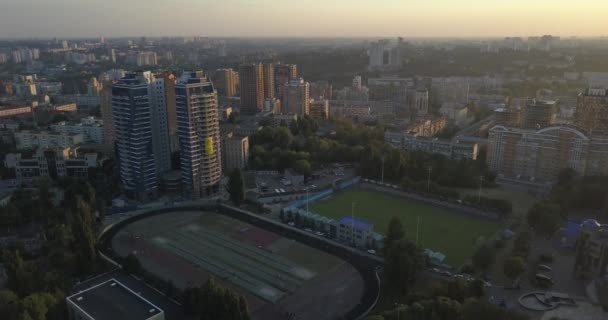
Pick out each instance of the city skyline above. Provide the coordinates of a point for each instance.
(339, 18)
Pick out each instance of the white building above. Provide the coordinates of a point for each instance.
(29, 139)
(407, 142)
(60, 162)
(90, 128)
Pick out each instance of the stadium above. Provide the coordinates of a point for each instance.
(280, 270)
(445, 229)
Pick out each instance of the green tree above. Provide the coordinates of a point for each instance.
(395, 231)
(545, 218)
(513, 267)
(484, 257)
(476, 288)
(9, 304)
(403, 261)
(303, 167)
(282, 137)
(82, 228)
(236, 186)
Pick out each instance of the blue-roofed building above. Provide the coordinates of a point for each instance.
(355, 231)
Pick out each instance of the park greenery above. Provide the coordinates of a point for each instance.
(39, 279)
(572, 195)
(299, 148)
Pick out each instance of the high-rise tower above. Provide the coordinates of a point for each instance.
(199, 134)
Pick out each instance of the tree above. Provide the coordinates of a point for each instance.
(282, 137)
(303, 167)
(521, 244)
(82, 227)
(513, 267)
(457, 290)
(545, 218)
(131, 264)
(9, 304)
(395, 231)
(403, 260)
(236, 186)
(483, 258)
(475, 288)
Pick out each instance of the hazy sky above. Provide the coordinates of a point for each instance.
(413, 18)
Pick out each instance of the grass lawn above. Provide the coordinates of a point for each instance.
(451, 233)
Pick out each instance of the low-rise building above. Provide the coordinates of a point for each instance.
(452, 150)
(31, 139)
(51, 163)
(90, 128)
(15, 111)
(283, 120)
(68, 107)
(427, 127)
(355, 232)
(111, 300)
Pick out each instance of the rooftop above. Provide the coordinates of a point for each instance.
(356, 223)
(111, 300)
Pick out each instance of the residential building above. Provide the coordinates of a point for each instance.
(457, 113)
(537, 156)
(53, 163)
(169, 85)
(235, 152)
(319, 109)
(591, 112)
(321, 90)
(508, 117)
(111, 300)
(68, 107)
(106, 114)
(283, 73)
(539, 114)
(199, 134)
(225, 81)
(252, 88)
(272, 105)
(33, 139)
(451, 150)
(91, 129)
(269, 81)
(9, 111)
(146, 58)
(418, 101)
(142, 154)
(94, 87)
(285, 120)
(427, 127)
(295, 98)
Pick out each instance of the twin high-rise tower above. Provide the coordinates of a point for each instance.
(153, 117)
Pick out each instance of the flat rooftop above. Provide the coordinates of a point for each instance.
(111, 300)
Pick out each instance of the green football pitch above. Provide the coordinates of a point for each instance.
(454, 234)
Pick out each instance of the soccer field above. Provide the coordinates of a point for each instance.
(451, 233)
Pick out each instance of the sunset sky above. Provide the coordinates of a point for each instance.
(327, 18)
